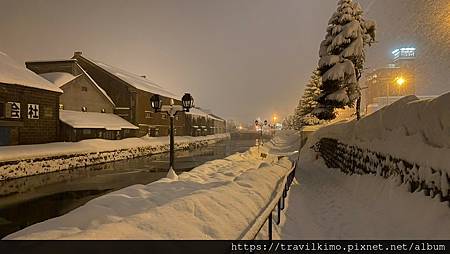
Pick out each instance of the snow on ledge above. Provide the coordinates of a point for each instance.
(26, 160)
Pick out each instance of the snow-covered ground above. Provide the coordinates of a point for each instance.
(25, 160)
(218, 200)
(327, 204)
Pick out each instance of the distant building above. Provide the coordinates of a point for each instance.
(219, 125)
(29, 106)
(404, 57)
(199, 122)
(398, 79)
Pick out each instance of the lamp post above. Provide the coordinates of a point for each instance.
(260, 125)
(399, 81)
(187, 102)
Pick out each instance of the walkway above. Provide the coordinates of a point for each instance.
(326, 204)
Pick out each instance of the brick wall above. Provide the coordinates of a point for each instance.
(34, 131)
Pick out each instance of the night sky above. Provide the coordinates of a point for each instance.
(240, 58)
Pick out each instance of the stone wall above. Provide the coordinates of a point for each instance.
(351, 159)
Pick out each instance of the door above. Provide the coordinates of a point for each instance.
(5, 136)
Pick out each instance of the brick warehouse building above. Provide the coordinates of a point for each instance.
(131, 94)
(29, 106)
(200, 122)
(80, 90)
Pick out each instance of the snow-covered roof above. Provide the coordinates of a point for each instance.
(135, 80)
(13, 73)
(197, 112)
(52, 60)
(94, 120)
(214, 117)
(96, 85)
(58, 78)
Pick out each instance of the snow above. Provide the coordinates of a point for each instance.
(327, 204)
(197, 112)
(134, 80)
(339, 95)
(94, 120)
(210, 116)
(218, 200)
(324, 203)
(341, 71)
(412, 129)
(13, 73)
(328, 60)
(285, 143)
(58, 78)
(96, 85)
(26, 160)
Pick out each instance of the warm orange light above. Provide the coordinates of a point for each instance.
(400, 81)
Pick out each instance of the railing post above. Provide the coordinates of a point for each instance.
(279, 211)
(270, 226)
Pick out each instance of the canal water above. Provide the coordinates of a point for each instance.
(29, 200)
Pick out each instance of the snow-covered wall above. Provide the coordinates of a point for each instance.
(26, 160)
(409, 139)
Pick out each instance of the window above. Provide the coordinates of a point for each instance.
(86, 131)
(2, 110)
(148, 114)
(163, 116)
(84, 89)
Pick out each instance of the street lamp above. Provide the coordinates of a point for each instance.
(260, 125)
(399, 81)
(187, 102)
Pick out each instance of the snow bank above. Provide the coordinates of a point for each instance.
(328, 204)
(414, 130)
(218, 200)
(25, 160)
(285, 143)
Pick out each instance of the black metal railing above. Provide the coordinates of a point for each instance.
(280, 205)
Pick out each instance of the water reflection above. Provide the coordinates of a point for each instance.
(26, 201)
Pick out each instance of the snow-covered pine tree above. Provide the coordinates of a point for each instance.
(288, 123)
(297, 117)
(342, 57)
(312, 93)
